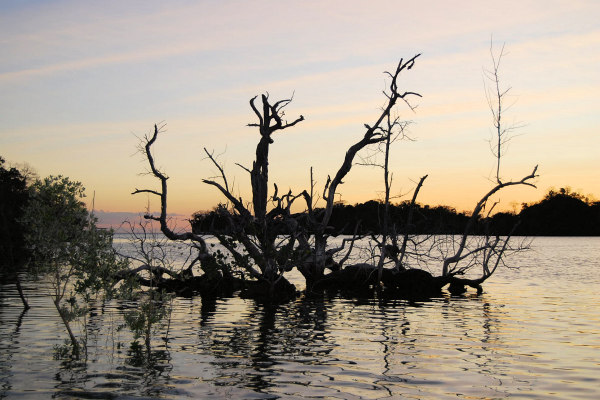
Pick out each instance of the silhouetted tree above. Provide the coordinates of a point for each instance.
(319, 255)
(264, 239)
(13, 197)
(560, 213)
(488, 250)
(267, 242)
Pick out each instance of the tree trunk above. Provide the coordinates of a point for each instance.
(68, 327)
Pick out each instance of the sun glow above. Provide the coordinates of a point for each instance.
(82, 81)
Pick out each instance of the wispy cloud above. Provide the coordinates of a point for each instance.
(111, 59)
(78, 78)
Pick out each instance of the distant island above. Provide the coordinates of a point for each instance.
(561, 212)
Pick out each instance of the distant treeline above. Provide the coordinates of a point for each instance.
(559, 213)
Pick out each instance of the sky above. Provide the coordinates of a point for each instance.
(82, 81)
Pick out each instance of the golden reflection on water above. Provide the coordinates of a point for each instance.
(534, 333)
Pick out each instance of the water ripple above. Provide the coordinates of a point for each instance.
(534, 333)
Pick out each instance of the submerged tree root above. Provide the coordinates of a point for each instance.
(260, 290)
(355, 280)
(197, 285)
(411, 284)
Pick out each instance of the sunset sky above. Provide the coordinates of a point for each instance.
(81, 80)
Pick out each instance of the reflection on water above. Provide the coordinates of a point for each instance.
(534, 333)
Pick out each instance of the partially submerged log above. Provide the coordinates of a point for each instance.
(411, 284)
(457, 285)
(187, 285)
(360, 275)
(264, 291)
(361, 278)
(414, 284)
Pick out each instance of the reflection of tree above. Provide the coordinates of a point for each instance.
(8, 352)
(248, 352)
(207, 308)
(142, 374)
(154, 364)
(262, 360)
(394, 326)
(72, 377)
(478, 325)
(414, 342)
(109, 372)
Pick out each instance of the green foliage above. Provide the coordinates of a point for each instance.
(67, 247)
(63, 239)
(102, 267)
(56, 224)
(73, 309)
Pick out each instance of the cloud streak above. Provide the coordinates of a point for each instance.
(78, 78)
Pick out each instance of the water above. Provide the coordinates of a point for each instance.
(534, 333)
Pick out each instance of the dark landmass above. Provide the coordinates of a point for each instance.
(559, 213)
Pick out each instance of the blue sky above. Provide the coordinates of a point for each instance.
(80, 80)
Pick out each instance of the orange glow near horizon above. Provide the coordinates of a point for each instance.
(78, 93)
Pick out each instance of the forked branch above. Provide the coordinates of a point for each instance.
(374, 134)
(162, 218)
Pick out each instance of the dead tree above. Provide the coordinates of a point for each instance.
(318, 255)
(403, 248)
(265, 239)
(270, 121)
(489, 249)
(257, 230)
(207, 261)
(388, 242)
(251, 238)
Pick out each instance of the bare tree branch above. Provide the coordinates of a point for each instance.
(496, 106)
(164, 227)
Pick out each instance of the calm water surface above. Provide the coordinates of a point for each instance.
(534, 333)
